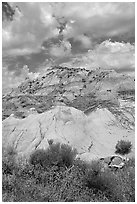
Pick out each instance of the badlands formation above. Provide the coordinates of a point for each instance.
(89, 110)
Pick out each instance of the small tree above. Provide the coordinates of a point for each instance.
(123, 147)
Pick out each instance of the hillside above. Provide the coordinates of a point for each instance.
(90, 110)
(75, 87)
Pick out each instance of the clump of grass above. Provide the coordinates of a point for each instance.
(123, 147)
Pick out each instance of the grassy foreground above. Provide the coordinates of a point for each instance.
(55, 175)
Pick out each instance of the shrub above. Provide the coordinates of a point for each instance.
(8, 160)
(105, 181)
(80, 182)
(92, 173)
(67, 155)
(56, 154)
(123, 147)
(50, 141)
(39, 157)
(126, 181)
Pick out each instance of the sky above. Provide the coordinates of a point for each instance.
(72, 34)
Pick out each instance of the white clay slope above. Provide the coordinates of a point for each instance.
(94, 136)
(106, 131)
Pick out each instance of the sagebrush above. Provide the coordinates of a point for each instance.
(65, 179)
(123, 147)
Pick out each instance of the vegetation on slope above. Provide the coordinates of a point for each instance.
(75, 87)
(123, 147)
(64, 178)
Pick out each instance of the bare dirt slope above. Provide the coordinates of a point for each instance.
(94, 135)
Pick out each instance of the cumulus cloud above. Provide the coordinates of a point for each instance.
(27, 74)
(114, 55)
(84, 40)
(107, 55)
(60, 50)
(28, 31)
(13, 79)
(99, 20)
(67, 30)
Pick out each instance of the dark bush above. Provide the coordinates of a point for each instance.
(57, 154)
(104, 181)
(123, 147)
(67, 155)
(39, 157)
(50, 141)
(8, 161)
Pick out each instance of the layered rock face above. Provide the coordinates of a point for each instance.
(89, 110)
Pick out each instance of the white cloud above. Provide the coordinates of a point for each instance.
(39, 21)
(114, 55)
(98, 19)
(107, 55)
(87, 24)
(85, 41)
(25, 73)
(29, 29)
(14, 80)
(61, 50)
